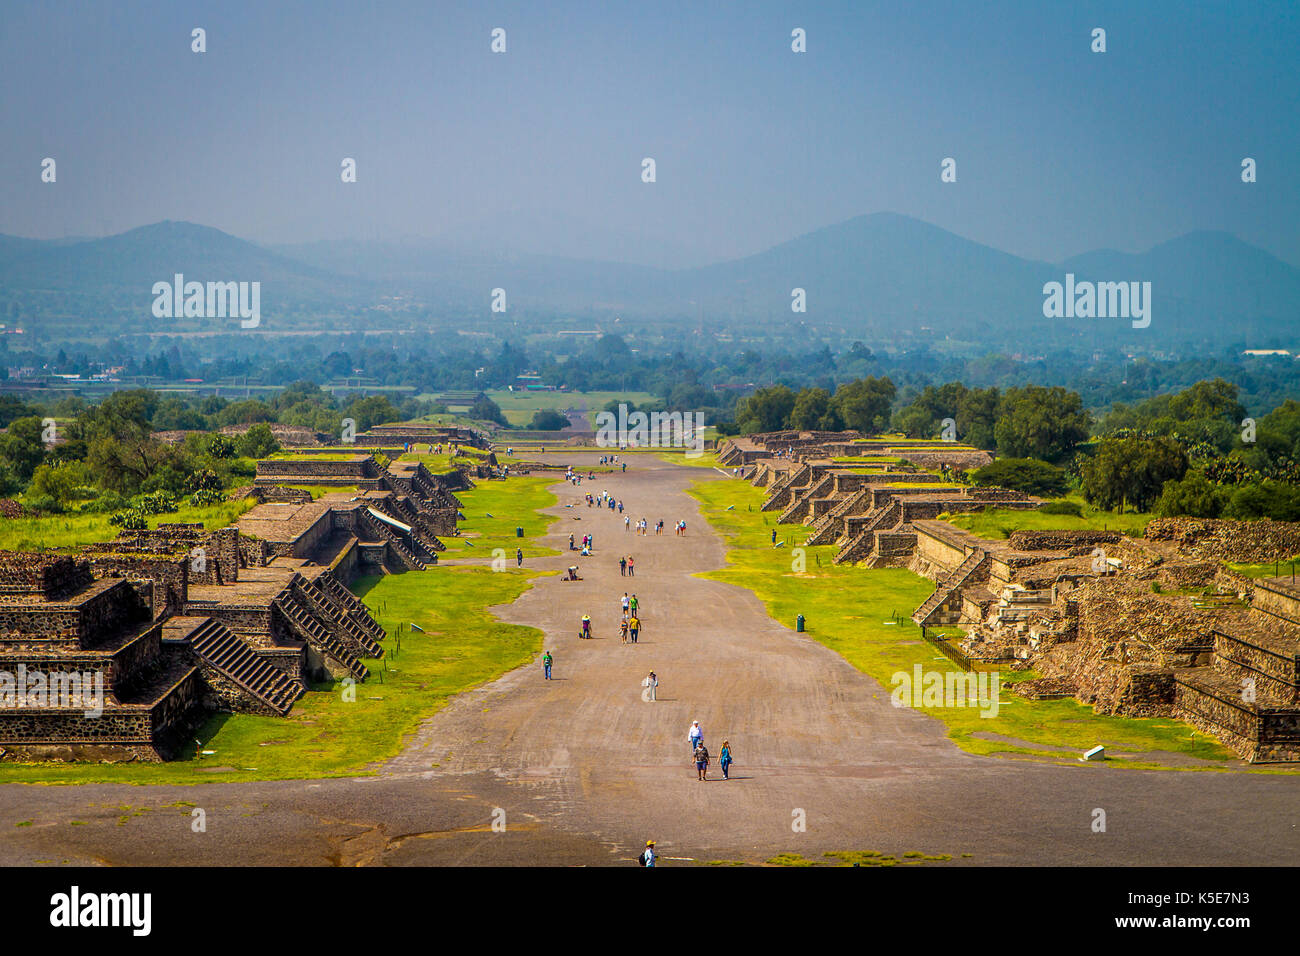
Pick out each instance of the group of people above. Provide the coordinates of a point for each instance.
(586, 544)
(700, 753)
(604, 500)
(626, 567)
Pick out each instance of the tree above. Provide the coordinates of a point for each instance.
(484, 409)
(1132, 471)
(548, 420)
(1038, 422)
(767, 410)
(864, 405)
(1029, 475)
(1194, 496)
(810, 408)
(23, 447)
(257, 442)
(370, 411)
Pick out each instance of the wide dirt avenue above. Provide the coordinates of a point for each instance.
(581, 770)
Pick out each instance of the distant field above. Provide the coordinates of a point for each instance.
(518, 407)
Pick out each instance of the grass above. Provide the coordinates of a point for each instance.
(71, 531)
(494, 509)
(1269, 569)
(518, 407)
(847, 610)
(463, 646)
(998, 523)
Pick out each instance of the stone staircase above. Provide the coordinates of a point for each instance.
(795, 511)
(829, 527)
(784, 489)
(310, 630)
(219, 648)
(950, 583)
(403, 554)
(336, 618)
(885, 517)
(351, 604)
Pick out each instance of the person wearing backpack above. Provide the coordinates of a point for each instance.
(648, 857)
(547, 661)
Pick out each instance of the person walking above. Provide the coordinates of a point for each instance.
(651, 685)
(648, 857)
(774, 536)
(519, 556)
(627, 522)
(695, 735)
(623, 628)
(702, 761)
(634, 626)
(622, 566)
(572, 548)
(631, 570)
(625, 604)
(633, 605)
(547, 661)
(586, 626)
(725, 758)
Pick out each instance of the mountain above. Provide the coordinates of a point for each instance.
(883, 277)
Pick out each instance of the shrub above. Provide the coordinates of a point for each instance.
(129, 520)
(1072, 508)
(156, 503)
(207, 496)
(1029, 475)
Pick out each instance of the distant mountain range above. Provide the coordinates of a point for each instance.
(881, 277)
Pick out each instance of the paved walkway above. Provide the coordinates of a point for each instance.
(584, 771)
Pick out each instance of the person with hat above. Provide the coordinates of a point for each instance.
(696, 735)
(648, 857)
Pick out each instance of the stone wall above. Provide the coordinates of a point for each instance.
(1059, 540)
(1246, 541)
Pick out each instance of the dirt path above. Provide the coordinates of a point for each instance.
(585, 771)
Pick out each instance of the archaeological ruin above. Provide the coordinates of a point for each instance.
(163, 627)
(1144, 627)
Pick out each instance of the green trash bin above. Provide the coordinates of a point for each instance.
(798, 623)
(519, 532)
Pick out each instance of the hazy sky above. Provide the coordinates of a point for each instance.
(1059, 150)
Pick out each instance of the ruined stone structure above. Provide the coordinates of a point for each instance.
(180, 621)
(1135, 627)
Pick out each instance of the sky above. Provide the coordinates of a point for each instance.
(1059, 150)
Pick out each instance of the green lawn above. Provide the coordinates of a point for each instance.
(463, 646)
(850, 609)
(69, 532)
(997, 523)
(494, 509)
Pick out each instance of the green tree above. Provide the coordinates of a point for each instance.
(22, 446)
(486, 410)
(1132, 471)
(1038, 422)
(864, 405)
(1029, 475)
(1194, 496)
(548, 420)
(767, 410)
(811, 407)
(257, 442)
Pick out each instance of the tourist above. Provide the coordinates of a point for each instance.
(725, 758)
(634, 625)
(620, 506)
(648, 857)
(633, 605)
(631, 568)
(702, 761)
(519, 556)
(695, 735)
(622, 567)
(627, 520)
(623, 630)
(586, 626)
(773, 536)
(571, 547)
(547, 661)
(625, 602)
(651, 684)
